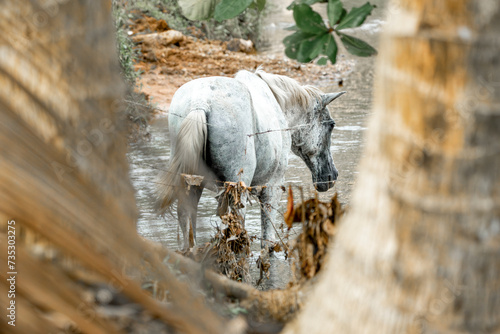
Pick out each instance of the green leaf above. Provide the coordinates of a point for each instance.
(356, 17)
(356, 46)
(322, 61)
(308, 20)
(310, 48)
(293, 41)
(260, 5)
(292, 51)
(302, 54)
(344, 13)
(198, 10)
(296, 38)
(331, 49)
(334, 11)
(227, 9)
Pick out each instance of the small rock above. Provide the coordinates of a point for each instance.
(163, 38)
(240, 45)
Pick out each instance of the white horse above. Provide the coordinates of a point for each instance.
(242, 129)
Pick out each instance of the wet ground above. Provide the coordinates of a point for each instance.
(350, 113)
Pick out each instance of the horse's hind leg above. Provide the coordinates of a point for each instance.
(187, 209)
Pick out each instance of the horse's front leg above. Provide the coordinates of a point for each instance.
(187, 209)
(269, 199)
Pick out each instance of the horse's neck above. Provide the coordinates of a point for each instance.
(288, 94)
(295, 117)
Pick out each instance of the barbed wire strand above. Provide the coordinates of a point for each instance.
(218, 181)
(248, 135)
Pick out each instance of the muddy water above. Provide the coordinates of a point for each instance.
(350, 113)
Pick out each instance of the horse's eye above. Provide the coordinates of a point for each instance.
(331, 123)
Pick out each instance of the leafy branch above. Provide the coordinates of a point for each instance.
(313, 38)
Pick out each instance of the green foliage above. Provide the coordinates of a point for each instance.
(294, 41)
(261, 4)
(355, 17)
(313, 38)
(356, 46)
(126, 52)
(220, 10)
(335, 11)
(240, 18)
(308, 20)
(322, 61)
(227, 9)
(198, 10)
(331, 49)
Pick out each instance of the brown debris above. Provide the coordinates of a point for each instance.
(231, 198)
(232, 247)
(194, 58)
(227, 251)
(263, 263)
(319, 221)
(192, 180)
(148, 24)
(276, 305)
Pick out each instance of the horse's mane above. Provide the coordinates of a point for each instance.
(287, 91)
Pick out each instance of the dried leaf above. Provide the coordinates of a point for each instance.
(277, 247)
(289, 214)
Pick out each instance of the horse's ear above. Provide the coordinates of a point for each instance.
(326, 99)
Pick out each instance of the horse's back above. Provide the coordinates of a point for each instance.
(229, 117)
(213, 94)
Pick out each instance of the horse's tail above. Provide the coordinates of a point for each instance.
(189, 151)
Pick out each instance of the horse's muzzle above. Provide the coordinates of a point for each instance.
(323, 186)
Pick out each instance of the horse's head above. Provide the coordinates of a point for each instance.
(312, 142)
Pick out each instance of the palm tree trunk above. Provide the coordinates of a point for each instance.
(64, 172)
(419, 251)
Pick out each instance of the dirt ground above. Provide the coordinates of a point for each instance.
(167, 63)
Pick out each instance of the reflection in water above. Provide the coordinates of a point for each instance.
(350, 113)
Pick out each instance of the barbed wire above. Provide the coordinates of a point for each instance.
(219, 181)
(221, 127)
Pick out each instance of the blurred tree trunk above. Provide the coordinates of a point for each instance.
(64, 174)
(61, 85)
(419, 251)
